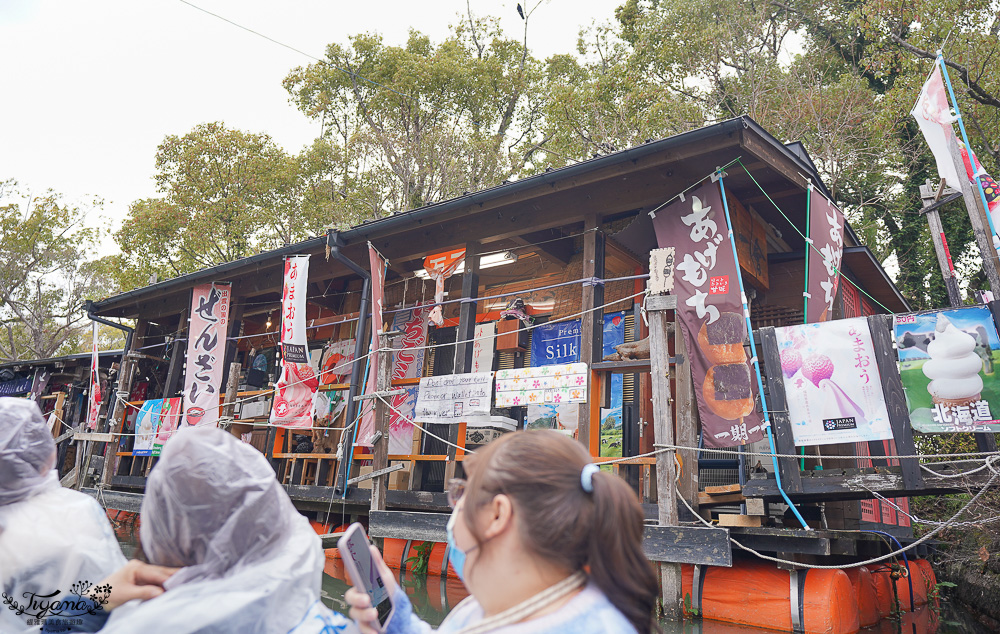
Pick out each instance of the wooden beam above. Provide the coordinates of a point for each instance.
(592, 321)
(687, 417)
(781, 426)
(881, 327)
(380, 458)
(928, 197)
(663, 433)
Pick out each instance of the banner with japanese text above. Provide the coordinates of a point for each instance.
(483, 347)
(295, 390)
(94, 395)
(832, 384)
(206, 353)
(826, 230)
(948, 364)
(366, 429)
(409, 362)
(711, 312)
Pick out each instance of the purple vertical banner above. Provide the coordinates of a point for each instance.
(826, 230)
(711, 313)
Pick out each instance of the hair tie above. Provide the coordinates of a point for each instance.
(587, 477)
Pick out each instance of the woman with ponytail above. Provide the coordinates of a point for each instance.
(543, 540)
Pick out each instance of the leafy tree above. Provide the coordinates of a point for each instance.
(422, 122)
(226, 194)
(46, 272)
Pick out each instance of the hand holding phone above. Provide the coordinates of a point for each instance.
(368, 572)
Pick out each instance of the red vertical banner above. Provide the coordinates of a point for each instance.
(295, 391)
(826, 230)
(367, 427)
(206, 353)
(711, 312)
(95, 384)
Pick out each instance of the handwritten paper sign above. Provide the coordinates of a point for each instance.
(454, 398)
(548, 384)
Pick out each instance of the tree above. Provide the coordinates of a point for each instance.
(46, 272)
(423, 122)
(226, 194)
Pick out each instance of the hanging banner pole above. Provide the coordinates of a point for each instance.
(805, 291)
(756, 363)
(968, 148)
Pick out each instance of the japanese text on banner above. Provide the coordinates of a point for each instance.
(206, 353)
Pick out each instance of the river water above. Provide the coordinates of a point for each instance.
(433, 597)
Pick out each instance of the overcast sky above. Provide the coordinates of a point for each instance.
(90, 88)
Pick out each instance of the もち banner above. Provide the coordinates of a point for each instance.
(948, 362)
(711, 312)
(832, 385)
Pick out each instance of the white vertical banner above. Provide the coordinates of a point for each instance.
(482, 347)
(95, 384)
(295, 391)
(206, 353)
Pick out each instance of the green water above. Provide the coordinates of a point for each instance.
(433, 597)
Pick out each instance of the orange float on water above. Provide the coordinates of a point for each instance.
(760, 595)
(864, 587)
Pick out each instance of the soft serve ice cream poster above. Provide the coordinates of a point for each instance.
(832, 383)
(947, 361)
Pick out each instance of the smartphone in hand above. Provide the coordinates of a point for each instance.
(364, 574)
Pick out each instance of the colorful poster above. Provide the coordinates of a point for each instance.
(711, 312)
(548, 384)
(553, 344)
(409, 363)
(206, 353)
(611, 418)
(483, 347)
(401, 422)
(366, 428)
(564, 417)
(147, 424)
(337, 362)
(94, 396)
(170, 418)
(826, 230)
(295, 391)
(454, 398)
(948, 362)
(832, 384)
(934, 117)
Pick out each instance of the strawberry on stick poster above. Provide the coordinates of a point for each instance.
(832, 383)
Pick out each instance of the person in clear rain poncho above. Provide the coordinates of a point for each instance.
(51, 538)
(249, 561)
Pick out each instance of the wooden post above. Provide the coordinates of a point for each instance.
(592, 321)
(380, 452)
(929, 196)
(977, 215)
(463, 351)
(232, 389)
(178, 350)
(657, 306)
(791, 477)
(895, 399)
(687, 418)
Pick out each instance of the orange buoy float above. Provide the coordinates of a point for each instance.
(812, 601)
(868, 606)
